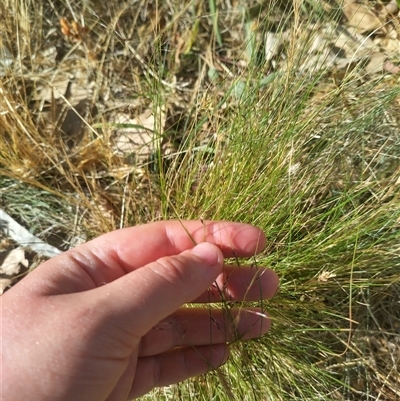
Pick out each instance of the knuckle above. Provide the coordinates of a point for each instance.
(176, 270)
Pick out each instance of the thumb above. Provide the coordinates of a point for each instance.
(149, 294)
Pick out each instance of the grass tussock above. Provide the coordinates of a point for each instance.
(230, 128)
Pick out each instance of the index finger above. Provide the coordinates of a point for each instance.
(115, 254)
(138, 246)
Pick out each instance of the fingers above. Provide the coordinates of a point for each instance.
(138, 246)
(140, 299)
(167, 238)
(175, 366)
(243, 283)
(194, 327)
(115, 254)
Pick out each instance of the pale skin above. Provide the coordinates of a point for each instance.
(105, 321)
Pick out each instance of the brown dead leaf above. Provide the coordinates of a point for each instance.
(392, 7)
(345, 63)
(353, 44)
(362, 18)
(325, 276)
(73, 31)
(74, 87)
(137, 135)
(13, 262)
(390, 46)
(379, 63)
(4, 283)
(318, 62)
(375, 63)
(273, 43)
(55, 90)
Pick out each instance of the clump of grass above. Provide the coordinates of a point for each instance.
(44, 214)
(321, 178)
(308, 154)
(321, 181)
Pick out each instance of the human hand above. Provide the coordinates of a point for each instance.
(104, 321)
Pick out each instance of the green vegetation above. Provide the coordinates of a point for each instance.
(147, 110)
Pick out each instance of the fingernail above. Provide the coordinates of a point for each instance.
(209, 253)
